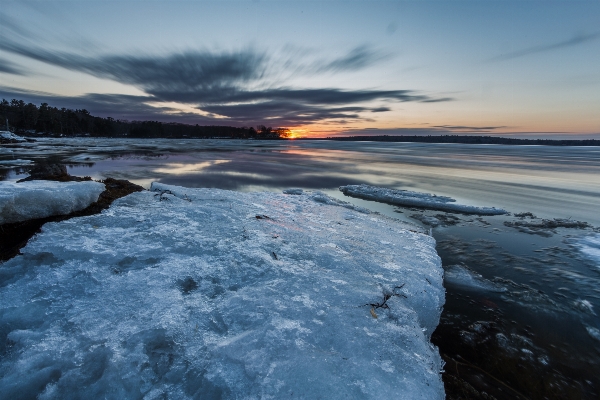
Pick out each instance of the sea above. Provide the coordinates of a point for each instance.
(522, 312)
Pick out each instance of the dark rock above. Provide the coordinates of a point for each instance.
(52, 172)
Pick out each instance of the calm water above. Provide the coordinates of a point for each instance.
(527, 299)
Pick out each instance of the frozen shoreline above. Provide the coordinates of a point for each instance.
(185, 291)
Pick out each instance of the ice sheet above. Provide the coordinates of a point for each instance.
(39, 199)
(204, 293)
(415, 199)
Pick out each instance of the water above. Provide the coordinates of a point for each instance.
(523, 302)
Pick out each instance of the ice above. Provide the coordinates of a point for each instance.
(293, 191)
(10, 137)
(15, 162)
(462, 276)
(590, 247)
(39, 199)
(595, 333)
(415, 199)
(185, 293)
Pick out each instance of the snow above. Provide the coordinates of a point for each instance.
(39, 199)
(205, 293)
(415, 199)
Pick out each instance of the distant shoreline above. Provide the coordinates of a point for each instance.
(467, 139)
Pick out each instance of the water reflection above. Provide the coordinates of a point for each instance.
(548, 293)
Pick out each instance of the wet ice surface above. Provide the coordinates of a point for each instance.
(200, 292)
(40, 199)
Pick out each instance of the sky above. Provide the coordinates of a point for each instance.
(320, 68)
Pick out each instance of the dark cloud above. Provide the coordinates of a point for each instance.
(189, 72)
(228, 84)
(381, 109)
(11, 68)
(356, 59)
(574, 41)
(118, 106)
(285, 112)
(469, 128)
(437, 130)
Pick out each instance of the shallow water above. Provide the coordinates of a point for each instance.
(531, 295)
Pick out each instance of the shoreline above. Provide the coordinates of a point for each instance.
(14, 236)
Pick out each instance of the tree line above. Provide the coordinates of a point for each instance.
(27, 119)
(468, 139)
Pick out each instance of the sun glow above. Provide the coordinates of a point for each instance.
(298, 133)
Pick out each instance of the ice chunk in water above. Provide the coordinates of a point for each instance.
(415, 199)
(595, 333)
(462, 276)
(590, 247)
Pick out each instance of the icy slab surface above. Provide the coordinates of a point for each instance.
(415, 199)
(39, 199)
(204, 293)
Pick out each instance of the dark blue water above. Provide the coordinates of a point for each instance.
(538, 320)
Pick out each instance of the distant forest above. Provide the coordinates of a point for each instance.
(27, 119)
(468, 139)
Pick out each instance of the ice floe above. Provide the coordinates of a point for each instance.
(415, 199)
(594, 333)
(206, 293)
(39, 199)
(590, 247)
(9, 137)
(462, 276)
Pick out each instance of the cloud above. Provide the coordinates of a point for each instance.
(10, 68)
(469, 128)
(358, 58)
(437, 130)
(574, 41)
(118, 106)
(237, 85)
